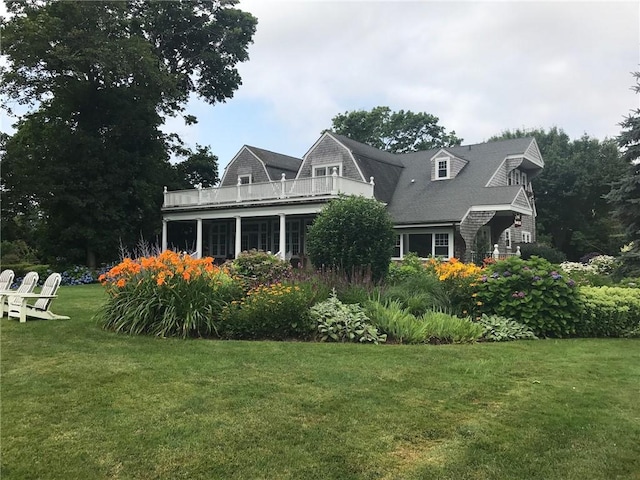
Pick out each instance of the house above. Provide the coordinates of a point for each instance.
(446, 202)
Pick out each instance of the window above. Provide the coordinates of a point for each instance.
(524, 179)
(526, 237)
(424, 244)
(396, 248)
(244, 179)
(442, 168)
(218, 245)
(326, 170)
(292, 237)
(507, 238)
(441, 245)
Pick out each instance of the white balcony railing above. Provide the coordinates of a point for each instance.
(280, 190)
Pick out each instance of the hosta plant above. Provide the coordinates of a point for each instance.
(166, 295)
(342, 322)
(501, 329)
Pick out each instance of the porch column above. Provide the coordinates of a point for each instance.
(402, 245)
(164, 234)
(199, 238)
(238, 235)
(283, 236)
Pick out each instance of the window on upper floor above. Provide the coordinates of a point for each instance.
(326, 170)
(517, 177)
(244, 179)
(507, 238)
(442, 168)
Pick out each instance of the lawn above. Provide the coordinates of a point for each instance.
(82, 403)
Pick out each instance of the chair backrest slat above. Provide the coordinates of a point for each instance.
(50, 287)
(28, 284)
(6, 279)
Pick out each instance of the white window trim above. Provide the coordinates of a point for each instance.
(507, 238)
(433, 241)
(329, 168)
(526, 237)
(246, 175)
(437, 161)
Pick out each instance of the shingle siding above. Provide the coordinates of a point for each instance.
(245, 163)
(329, 152)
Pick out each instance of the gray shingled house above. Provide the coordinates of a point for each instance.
(446, 202)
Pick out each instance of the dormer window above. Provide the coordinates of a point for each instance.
(244, 179)
(442, 168)
(326, 170)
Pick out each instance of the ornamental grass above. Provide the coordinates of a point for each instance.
(167, 295)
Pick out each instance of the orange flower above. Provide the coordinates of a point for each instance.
(121, 283)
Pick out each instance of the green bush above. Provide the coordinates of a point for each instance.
(278, 311)
(352, 233)
(17, 252)
(444, 328)
(551, 254)
(411, 265)
(533, 293)
(257, 267)
(21, 269)
(340, 322)
(501, 329)
(397, 322)
(608, 311)
(169, 295)
(354, 288)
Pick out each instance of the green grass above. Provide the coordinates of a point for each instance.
(82, 403)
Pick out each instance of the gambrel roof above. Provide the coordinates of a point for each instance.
(276, 163)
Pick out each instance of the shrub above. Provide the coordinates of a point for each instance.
(257, 267)
(278, 311)
(551, 254)
(444, 328)
(167, 295)
(411, 265)
(78, 275)
(339, 322)
(352, 233)
(459, 280)
(501, 329)
(532, 292)
(608, 311)
(397, 322)
(353, 288)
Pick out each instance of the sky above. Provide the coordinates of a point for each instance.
(480, 67)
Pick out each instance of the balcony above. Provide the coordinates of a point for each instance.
(269, 192)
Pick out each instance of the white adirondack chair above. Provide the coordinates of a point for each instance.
(6, 279)
(19, 308)
(29, 282)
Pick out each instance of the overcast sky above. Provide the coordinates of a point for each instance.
(480, 67)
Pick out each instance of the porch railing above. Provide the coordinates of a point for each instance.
(479, 257)
(256, 192)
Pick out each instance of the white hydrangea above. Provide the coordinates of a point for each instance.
(603, 264)
(570, 267)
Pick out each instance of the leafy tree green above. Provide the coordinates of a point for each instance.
(99, 77)
(569, 193)
(625, 194)
(200, 168)
(352, 233)
(397, 132)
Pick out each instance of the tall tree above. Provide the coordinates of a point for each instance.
(397, 132)
(625, 194)
(572, 211)
(99, 78)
